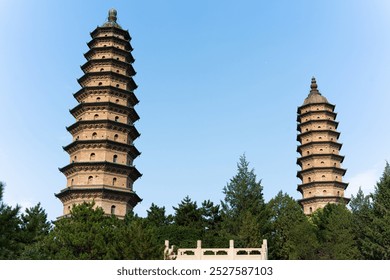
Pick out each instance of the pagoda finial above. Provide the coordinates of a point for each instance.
(111, 20)
(313, 85)
(112, 15)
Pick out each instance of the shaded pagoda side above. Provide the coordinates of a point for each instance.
(102, 152)
(321, 172)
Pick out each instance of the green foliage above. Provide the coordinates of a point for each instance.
(138, 241)
(188, 214)
(335, 233)
(243, 209)
(89, 234)
(291, 236)
(156, 216)
(35, 225)
(10, 231)
(380, 234)
(362, 217)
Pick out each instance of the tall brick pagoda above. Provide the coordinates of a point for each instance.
(321, 172)
(102, 152)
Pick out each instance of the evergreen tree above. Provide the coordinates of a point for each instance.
(362, 217)
(156, 216)
(380, 235)
(211, 219)
(291, 236)
(34, 228)
(35, 225)
(87, 235)
(138, 241)
(188, 214)
(10, 231)
(243, 209)
(335, 233)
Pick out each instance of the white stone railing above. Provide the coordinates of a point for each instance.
(230, 253)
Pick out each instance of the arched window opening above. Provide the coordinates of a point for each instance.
(117, 101)
(116, 118)
(97, 99)
(308, 152)
(323, 176)
(113, 181)
(311, 210)
(309, 179)
(113, 210)
(96, 117)
(75, 159)
(338, 193)
(117, 85)
(94, 135)
(90, 178)
(77, 138)
(115, 158)
(103, 56)
(92, 156)
(100, 83)
(71, 182)
(322, 162)
(324, 191)
(116, 137)
(101, 69)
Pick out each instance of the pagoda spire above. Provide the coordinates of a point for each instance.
(313, 86)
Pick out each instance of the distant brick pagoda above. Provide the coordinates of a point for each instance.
(321, 172)
(102, 152)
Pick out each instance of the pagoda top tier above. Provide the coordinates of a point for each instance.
(314, 96)
(111, 19)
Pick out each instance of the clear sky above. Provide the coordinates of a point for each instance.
(216, 79)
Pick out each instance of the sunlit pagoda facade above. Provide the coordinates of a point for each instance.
(321, 172)
(102, 152)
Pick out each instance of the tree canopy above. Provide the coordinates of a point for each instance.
(361, 231)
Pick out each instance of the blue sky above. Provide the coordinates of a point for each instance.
(216, 79)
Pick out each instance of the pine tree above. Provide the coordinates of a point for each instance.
(243, 209)
(10, 231)
(291, 236)
(380, 235)
(188, 214)
(156, 216)
(211, 219)
(335, 233)
(362, 217)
